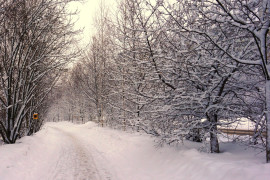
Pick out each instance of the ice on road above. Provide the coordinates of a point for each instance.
(64, 151)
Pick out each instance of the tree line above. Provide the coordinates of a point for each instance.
(179, 69)
(35, 47)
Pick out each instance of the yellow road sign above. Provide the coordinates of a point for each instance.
(35, 116)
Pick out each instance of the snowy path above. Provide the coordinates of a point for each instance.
(63, 151)
(75, 161)
(55, 153)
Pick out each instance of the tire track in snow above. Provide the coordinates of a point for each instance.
(75, 162)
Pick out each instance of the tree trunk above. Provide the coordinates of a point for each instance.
(214, 145)
(267, 117)
(214, 142)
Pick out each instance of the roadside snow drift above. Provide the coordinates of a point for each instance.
(67, 151)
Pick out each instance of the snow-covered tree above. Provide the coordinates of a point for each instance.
(236, 29)
(35, 36)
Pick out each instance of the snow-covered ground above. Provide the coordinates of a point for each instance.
(242, 123)
(67, 151)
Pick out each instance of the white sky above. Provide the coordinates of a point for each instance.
(88, 9)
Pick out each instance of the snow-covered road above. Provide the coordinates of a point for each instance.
(75, 161)
(58, 152)
(64, 151)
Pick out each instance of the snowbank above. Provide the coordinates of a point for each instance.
(128, 156)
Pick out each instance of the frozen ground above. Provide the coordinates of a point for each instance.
(66, 151)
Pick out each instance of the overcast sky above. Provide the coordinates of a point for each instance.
(87, 9)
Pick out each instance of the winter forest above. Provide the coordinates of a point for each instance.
(175, 69)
